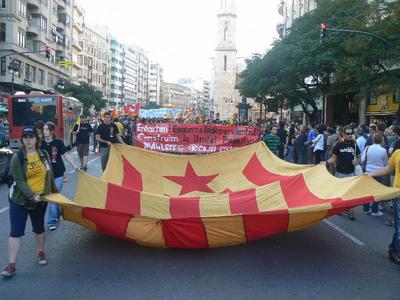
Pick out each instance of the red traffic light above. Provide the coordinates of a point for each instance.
(324, 26)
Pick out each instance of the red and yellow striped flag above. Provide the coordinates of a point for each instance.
(215, 200)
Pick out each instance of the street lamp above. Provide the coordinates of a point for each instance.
(13, 68)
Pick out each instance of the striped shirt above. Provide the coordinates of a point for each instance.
(273, 142)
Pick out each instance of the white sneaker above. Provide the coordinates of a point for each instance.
(52, 227)
(378, 214)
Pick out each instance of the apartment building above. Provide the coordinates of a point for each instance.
(290, 10)
(176, 96)
(95, 59)
(33, 26)
(78, 23)
(155, 82)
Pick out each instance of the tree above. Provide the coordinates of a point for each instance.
(341, 64)
(84, 93)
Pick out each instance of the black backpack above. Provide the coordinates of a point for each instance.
(9, 179)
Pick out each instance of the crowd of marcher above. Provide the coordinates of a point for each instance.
(347, 151)
(38, 168)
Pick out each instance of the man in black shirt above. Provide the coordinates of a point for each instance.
(107, 134)
(82, 132)
(345, 156)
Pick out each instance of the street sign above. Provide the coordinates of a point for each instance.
(65, 64)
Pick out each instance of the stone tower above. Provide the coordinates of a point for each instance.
(225, 62)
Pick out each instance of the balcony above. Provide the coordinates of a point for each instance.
(32, 4)
(60, 6)
(76, 45)
(281, 8)
(78, 26)
(31, 30)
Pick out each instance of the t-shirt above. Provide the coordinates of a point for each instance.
(282, 134)
(345, 156)
(272, 142)
(311, 135)
(108, 133)
(395, 160)
(55, 149)
(83, 136)
(36, 174)
(120, 127)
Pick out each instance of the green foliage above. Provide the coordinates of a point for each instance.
(84, 93)
(343, 63)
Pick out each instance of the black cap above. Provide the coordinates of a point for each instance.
(29, 131)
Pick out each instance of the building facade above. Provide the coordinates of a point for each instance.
(155, 83)
(117, 66)
(78, 23)
(34, 26)
(224, 73)
(290, 10)
(176, 96)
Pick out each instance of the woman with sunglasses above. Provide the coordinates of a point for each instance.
(33, 178)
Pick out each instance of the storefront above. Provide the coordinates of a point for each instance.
(383, 108)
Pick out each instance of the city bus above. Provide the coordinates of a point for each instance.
(26, 109)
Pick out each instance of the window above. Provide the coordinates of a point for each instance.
(50, 80)
(21, 38)
(41, 77)
(3, 66)
(27, 72)
(225, 62)
(33, 74)
(3, 4)
(54, 6)
(21, 8)
(39, 22)
(225, 30)
(2, 32)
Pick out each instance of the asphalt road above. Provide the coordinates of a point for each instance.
(338, 259)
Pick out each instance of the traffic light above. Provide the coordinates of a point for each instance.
(48, 52)
(324, 27)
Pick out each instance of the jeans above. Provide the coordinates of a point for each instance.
(105, 152)
(303, 157)
(318, 156)
(374, 205)
(395, 245)
(343, 175)
(54, 209)
(289, 153)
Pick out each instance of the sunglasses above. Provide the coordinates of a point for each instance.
(28, 136)
(348, 133)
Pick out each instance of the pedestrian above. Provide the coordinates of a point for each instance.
(345, 156)
(290, 143)
(107, 134)
(318, 144)
(57, 151)
(312, 133)
(374, 157)
(301, 146)
(272, 140)
(283, 136)
(33, 178)
(83, 132)
(393, 166)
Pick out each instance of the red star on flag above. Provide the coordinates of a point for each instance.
(192, 182)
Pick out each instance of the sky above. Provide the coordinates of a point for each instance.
(181, 35)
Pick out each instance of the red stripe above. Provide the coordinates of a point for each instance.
(243, 202)
(132, 177)
(185, 233)
(107, 222)
(294, 188)
(185, 207)
(265, 224)
(341, 206)
(120, 199)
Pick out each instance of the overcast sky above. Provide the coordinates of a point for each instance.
(181, 34)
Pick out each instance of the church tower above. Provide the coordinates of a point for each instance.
(225, 63)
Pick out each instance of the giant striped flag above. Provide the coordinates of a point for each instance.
(215, 200)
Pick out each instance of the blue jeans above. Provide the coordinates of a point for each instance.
(289, 153)
(374, 205)
(395, 245)
(54, 209)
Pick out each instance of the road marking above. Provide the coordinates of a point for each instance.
(345, 233)
(89, 162)
(3, 209)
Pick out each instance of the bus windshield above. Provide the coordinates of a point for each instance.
(27, 110)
